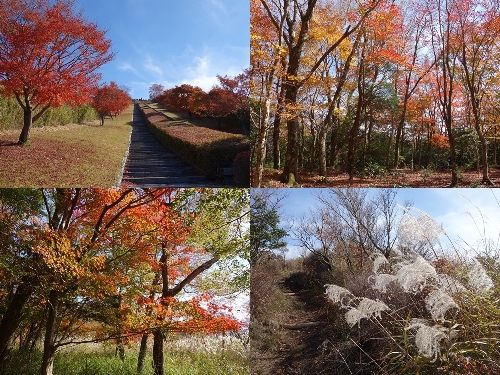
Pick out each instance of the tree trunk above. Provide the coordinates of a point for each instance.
(353, 138)
(261, 145)
(322, 150)
(276, 128)
(49, 347)
(141, 361)
(290, 171)
(12, 317)
(28, 123)
(353, 135)
(158, 357)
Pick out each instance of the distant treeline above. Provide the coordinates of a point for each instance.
(11, 115)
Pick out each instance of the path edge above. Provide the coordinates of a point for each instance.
(125, 156)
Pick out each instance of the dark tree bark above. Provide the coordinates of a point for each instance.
(49, 344)
(12, 317)
(141, 361)
(158, 356)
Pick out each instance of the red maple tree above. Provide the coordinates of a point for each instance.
(177, 99)
(110, 100)
(49, 56)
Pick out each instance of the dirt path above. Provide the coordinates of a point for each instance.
(151, 164)
(299, 350)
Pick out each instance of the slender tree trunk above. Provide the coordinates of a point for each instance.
(397, 142)
(353, 138)
(353, 135)
(322, 151)
(261, 144)
(141, 361)
(495, 146)
(277, 126)
(49, 347)
(477, 122)
(333, 145)
(12, 317)
(276, 142)
(158, 356)
(290, 171)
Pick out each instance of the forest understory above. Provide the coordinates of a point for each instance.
(427, 178)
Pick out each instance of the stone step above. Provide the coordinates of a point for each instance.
(166, 181)
(151, 164)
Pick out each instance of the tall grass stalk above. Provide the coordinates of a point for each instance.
(186, 357)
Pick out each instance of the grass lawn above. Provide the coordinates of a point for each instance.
(66, 156)
(101, 359)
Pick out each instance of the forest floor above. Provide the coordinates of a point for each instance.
(297, 351)
(394, 178)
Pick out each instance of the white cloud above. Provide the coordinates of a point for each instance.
(125, 66)
(152, 67)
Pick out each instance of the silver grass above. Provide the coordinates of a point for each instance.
(427, 339)
(438, 303)
(449, 284)
(338, 294)
(413, 276)
(354, 316)
(414, 229)
(478, 278)
(382, 280)
(379, 259)
(365, 309)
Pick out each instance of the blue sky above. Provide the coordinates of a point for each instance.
(467, 215)
(171, 42)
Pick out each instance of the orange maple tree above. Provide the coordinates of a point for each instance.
(49, 56)
(92, 255)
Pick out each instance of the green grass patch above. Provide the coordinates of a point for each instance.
(98, 359)
(66, 156)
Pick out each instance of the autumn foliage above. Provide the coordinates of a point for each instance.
(113, 264)
(49, 56)
(342, 86)
(228, 98)
(110, 100)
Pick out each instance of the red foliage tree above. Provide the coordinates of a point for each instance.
(230, 98)
(110, 100)
(221, 103)
(177, 98)
(49, 56)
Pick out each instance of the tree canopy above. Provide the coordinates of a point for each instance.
(84, 265)
(49, 56)
(352, 86)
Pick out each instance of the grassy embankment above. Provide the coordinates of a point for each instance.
(197, 356)
(66, 156)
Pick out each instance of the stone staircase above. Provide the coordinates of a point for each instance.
(151, 164)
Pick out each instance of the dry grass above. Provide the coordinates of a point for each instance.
(66, 156)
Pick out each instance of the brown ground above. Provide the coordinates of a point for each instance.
(303, 351)
(395, 178)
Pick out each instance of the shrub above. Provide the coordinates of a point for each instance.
(373, 170)
(207, 149)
